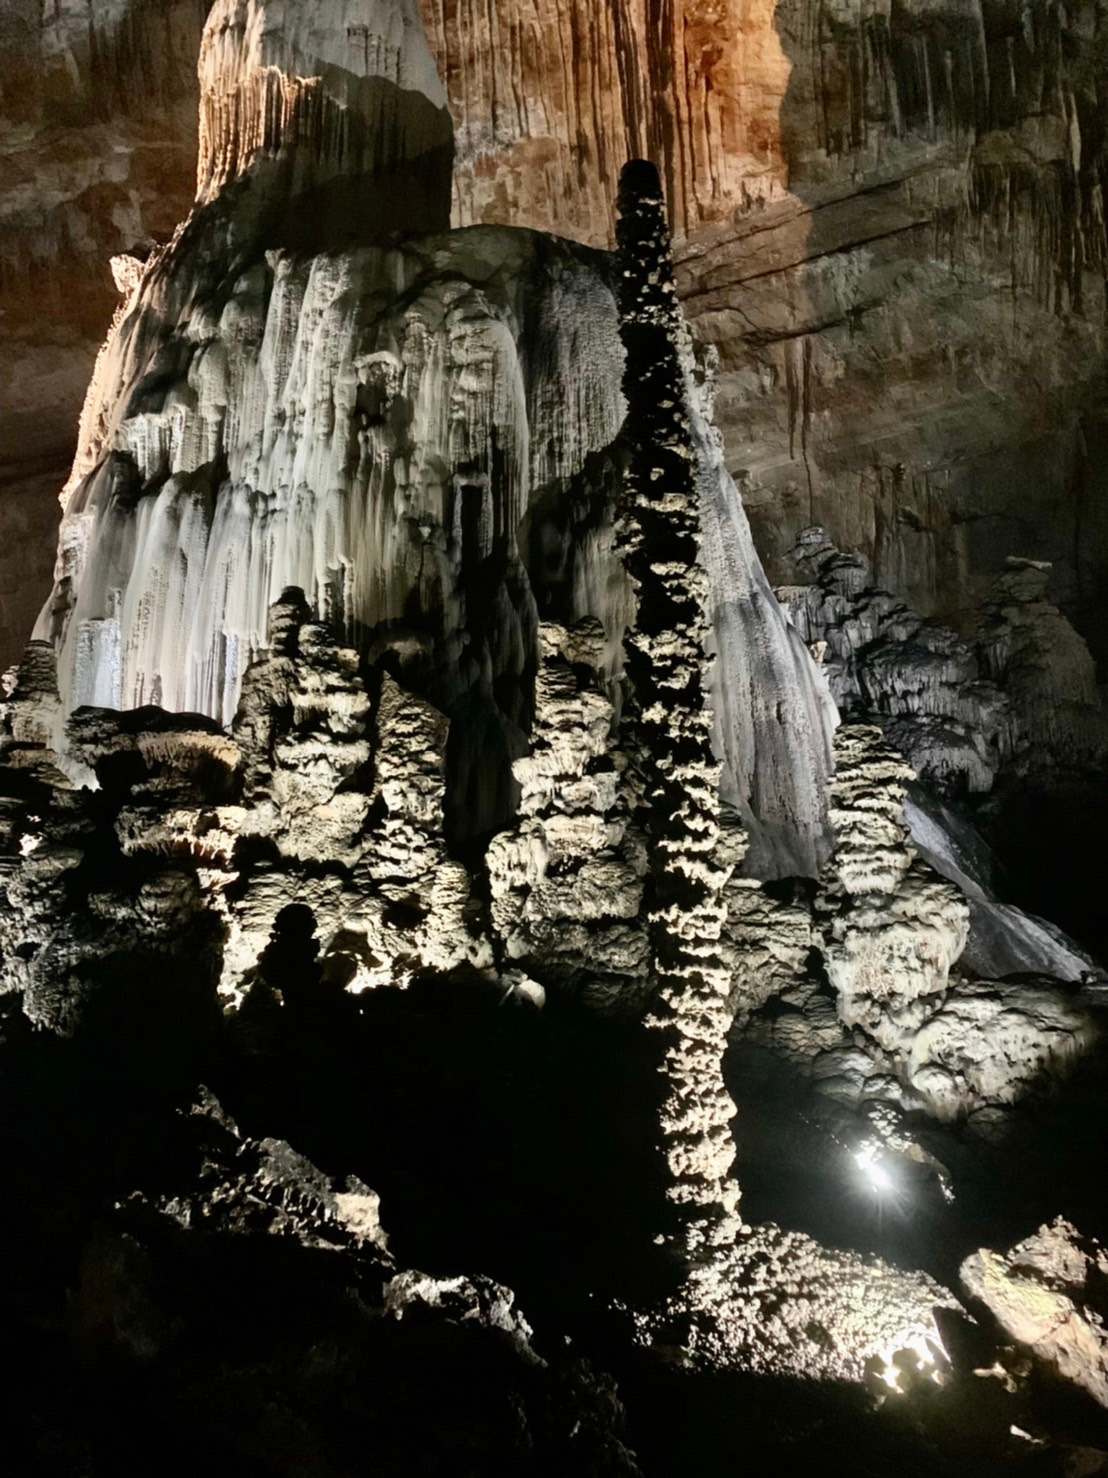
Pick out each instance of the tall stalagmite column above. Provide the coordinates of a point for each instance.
(668, 666)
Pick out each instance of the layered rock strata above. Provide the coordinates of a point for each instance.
(890, 223)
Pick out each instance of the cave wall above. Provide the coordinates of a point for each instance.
(97, 155)
(889, 220)
(893, 238)
(912, 344)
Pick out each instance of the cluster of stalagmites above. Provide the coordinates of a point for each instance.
(330, 796)
(1020, 696)
(354, 441)
(327, 795)
(888, 1022)
(567, 881)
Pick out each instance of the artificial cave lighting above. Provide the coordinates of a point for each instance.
(874, 1172)
(901, 1369)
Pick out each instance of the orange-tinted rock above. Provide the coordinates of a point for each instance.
(890, 229)
(97, 153)
(550, 100)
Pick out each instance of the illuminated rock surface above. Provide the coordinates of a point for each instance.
(888, 227)
(1048, 1293)
(374, 427)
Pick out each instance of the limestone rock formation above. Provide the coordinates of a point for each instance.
(670, 726)
(172, 1277)
(888, 229)
(885, 662)
(895, 927)
(567, 882)
(98, 143)
(1003, 940)
(549, 102)
(1047, 1292)
(840, 1312)
(413, 749)
(320, 95)
(1056, 720)
(991, 1043)
(381, 399)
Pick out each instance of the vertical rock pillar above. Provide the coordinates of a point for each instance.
(668, 666)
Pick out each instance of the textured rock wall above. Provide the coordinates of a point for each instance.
(97, 152)
(670, 725)
(549, 101)
(893, 239)
(912, 342)
(375, 426)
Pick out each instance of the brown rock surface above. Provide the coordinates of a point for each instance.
(97, 154)
(550, 100)
(893, 238)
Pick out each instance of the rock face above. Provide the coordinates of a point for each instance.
(324, 95)
(98, 125)
(888, 227)
(898, 336)
(885, 662)
(1047, 1292)
(173, 1279)
(368, 426)
(1056, 721)
(549, 101)
(890, 231)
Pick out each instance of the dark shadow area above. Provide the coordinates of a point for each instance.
(1037, 1161)
(500, 1139)
(1051, 842)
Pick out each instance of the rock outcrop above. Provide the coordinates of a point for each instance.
(885, 662)
(98, 125)
(373, 426)
(1048, 1293)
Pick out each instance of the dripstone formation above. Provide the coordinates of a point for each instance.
(438, 873)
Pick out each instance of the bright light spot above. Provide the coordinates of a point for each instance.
(1027, 1437)
(29, 844)
(877, 1177)
(915, 1357)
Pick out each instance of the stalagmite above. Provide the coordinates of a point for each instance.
(678, 775)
